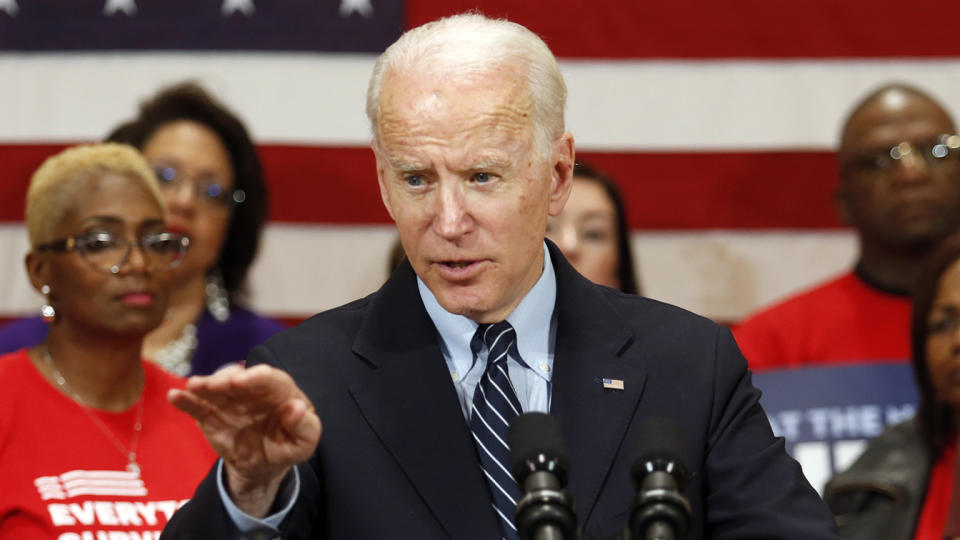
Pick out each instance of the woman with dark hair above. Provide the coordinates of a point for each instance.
(592, 231)
(902, 486)
(212, 182)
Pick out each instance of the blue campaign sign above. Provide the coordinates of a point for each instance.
(826, 414)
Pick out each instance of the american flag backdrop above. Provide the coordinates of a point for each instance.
(717, 118)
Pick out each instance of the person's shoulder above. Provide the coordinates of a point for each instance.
(337, 323)
(652, 314)
(22, 333)
(163, 379)
(19, 381)
(245, 320)
(890, 474)
(896, 451)
(799, 304)
(12, 364)
(779, 334)
(667, 330)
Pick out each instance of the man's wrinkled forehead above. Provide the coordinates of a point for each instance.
(497, 99)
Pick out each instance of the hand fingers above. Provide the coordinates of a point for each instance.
(301, 422)
(269, 382)
(294, 438)
(201, 411)
(215, 382)
(257, 388)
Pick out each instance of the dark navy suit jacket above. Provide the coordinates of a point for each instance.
(397, 460)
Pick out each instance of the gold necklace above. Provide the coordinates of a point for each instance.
(131, 452)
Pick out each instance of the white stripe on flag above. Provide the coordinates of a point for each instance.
(613, 105)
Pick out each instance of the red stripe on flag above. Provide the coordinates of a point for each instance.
(323, 185)
(749, 190)
(19, 162)
(733, 29)
(663, 191)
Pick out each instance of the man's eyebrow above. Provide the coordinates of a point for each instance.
(485, 164)
(403, 166)
(490, 163)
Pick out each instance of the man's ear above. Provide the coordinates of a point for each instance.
(38, 269)
(561, 180)
(381, 181)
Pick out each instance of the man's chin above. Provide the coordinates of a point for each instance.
(468, 303)
(919, 243)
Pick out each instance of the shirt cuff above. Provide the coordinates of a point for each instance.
(267, 527)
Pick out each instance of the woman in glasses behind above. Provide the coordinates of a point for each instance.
(212, 183)
(89, 445)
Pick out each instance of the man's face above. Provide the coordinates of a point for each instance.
(915, 201)
(470, 196)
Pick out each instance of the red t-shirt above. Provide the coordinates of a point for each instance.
(61, 476)
(933, 516)
(841, 321)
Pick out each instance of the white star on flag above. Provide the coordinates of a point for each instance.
(127, 6)
(10, 6)
(362, 7)
(232, 6)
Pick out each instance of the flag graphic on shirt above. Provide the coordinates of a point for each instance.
(100, 483)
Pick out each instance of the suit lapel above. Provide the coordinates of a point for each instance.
(592, 344)
(410, 402)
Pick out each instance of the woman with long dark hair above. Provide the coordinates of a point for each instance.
(902, 487)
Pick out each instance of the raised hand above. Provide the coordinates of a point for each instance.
(260, 423)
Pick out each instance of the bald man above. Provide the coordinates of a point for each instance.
(900, 189)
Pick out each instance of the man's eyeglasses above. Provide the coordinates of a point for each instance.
(932, 153)
(207, 190)
(109, 252)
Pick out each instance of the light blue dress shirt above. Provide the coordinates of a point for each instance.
(534, 324)
(531, 374)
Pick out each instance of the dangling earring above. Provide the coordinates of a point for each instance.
(218, 303)
(46, 310)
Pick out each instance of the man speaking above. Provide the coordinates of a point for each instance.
(416, 383)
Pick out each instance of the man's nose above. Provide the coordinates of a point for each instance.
(452, 219)
(911, 168)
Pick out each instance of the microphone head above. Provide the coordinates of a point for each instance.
(660, 448)
(536, 444)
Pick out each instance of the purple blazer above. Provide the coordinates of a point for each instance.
(217, 343)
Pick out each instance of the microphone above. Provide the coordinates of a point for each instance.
(659, 511)
(539, 463)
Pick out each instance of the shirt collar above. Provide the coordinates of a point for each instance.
(531, 320)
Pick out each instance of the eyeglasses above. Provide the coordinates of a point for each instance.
(932, 153)
(109, 252)
(207, 190)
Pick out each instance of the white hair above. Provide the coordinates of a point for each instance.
(471, 43)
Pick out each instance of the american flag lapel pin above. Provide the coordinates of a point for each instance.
(612, 384)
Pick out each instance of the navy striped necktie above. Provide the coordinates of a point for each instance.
(495, 404)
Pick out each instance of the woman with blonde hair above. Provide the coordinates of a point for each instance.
(89, 445)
